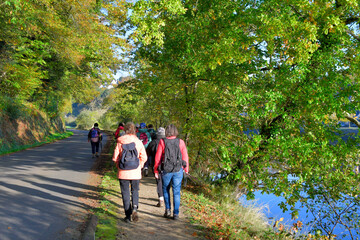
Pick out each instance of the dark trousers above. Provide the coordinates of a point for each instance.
(125, 193)
(148, 163)
(160, 191)
(95, 146)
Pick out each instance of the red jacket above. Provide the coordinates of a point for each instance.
(117, 133)
(160, 154)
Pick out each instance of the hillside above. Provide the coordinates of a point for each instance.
(29, 126)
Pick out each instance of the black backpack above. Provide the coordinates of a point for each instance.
(129, 158)
(172, 159)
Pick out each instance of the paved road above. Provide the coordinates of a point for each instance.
(40, 189)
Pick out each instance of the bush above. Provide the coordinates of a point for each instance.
(87, 118)
(10, 107)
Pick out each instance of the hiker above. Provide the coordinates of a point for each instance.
(152, 131)
(173, 158)
(145, 138)
(95, 137)
(119, 131)
(129, 156)
(151, 151)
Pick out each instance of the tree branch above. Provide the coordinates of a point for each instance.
(353, 120)
(351, 20)
(352, 34)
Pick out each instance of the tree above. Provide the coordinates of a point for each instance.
(54, 51)
(281, 68)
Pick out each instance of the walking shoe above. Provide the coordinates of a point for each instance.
(127, 220)
(135, 216)
(146, 171)
(176, 217)
(93, 155)
(160, 203)
(167, 213)
(97, 154)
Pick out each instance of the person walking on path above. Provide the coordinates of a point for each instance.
(173, 159)
(145, 138)
(151, 151)
(95, 137)
(129, 156)
(152, 131)
(119, 131)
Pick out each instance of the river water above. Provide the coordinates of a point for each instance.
(269, 203)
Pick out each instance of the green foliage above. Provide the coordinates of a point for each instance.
(278, 68)
(49, 54)
(11, 107)
(125, 103)
(87, 118)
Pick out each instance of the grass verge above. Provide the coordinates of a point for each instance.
(231, 220)
(109, 197)
(51, 138)
(107, 211)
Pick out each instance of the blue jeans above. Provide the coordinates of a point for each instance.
(175, 179)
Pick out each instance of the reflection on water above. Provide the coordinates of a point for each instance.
(270, 205)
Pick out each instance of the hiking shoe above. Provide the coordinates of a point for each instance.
(167, 213)
(176, 217)
(135, 216)
(127, 220)
(146, 172)
(160, 203)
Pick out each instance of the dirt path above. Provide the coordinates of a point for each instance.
(152, 224)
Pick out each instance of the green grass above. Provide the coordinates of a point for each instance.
(51, 138)
(107, 211)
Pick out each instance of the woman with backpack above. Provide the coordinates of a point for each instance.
(95, 137)
(129, 156)
(172, 158)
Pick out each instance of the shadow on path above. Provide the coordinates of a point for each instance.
(152, 225)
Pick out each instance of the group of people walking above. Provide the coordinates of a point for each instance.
(140, 147)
